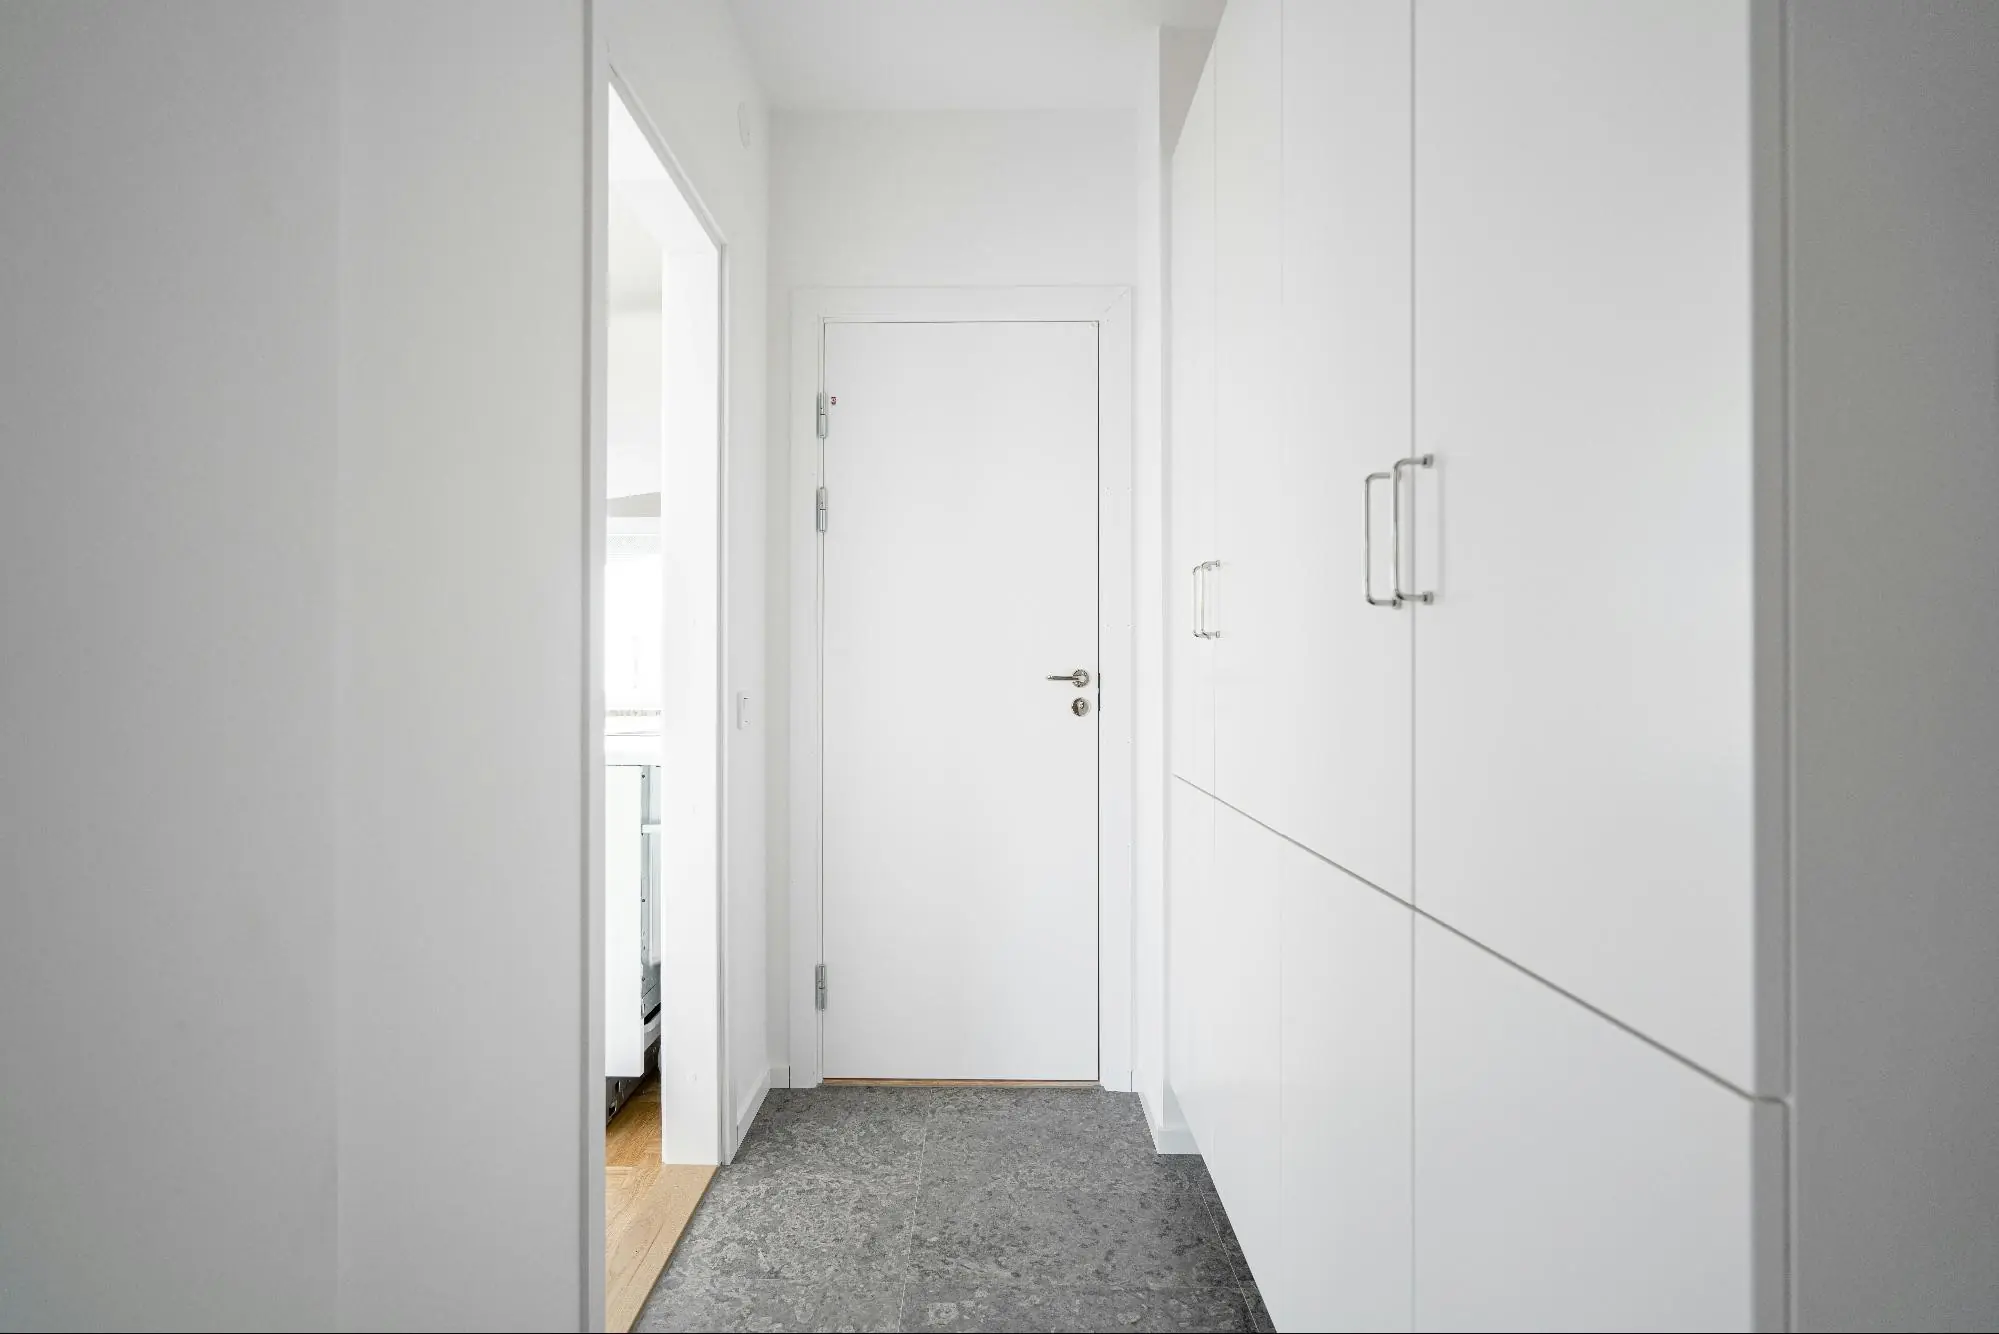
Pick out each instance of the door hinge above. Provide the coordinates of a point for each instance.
(822, 416)
(820, 521)
(819, 987)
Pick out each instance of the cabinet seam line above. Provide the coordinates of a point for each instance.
(1769, 1099)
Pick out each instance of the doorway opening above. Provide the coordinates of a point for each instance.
(659, 589)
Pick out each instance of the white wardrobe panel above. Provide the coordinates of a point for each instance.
(1584, 177)
(1313, 712)
(1569, 1176)
(1894, 484)
(1345, 1095)
(1192, 464)
(1245, 933)
(1247, 66)
(1191, 962)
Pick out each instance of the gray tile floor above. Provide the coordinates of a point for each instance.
(956, 1209)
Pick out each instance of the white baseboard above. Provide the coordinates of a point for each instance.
(746, 1115)
(1169, 1132)
(1172, 1139)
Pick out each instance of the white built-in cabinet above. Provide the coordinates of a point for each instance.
(1190, 964)
(1191, 742)
(1471, 997)
(1296, 1078)
(1571, 1177)
(1342, 1258)
(1585, 358)
(1312, 684)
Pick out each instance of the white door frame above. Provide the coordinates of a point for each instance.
(1109, 308)
(697, 963)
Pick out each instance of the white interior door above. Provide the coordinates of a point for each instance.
(959, 912)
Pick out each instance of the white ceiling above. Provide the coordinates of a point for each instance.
(924, 55)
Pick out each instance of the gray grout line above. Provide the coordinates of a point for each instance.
(909, 1233)
(1201, 1196)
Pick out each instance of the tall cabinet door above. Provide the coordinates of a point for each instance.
(1192, 465)
(1241, 1039)
(1570, 1176)
(1246, 65)
(1313, 710)
(1190, 961)
(1343, 1086)
(1583, 376)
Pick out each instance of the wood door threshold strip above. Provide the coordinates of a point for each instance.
(968, 1083)
(646, 1210)
(647, 1204)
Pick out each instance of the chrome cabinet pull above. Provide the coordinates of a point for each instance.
(1367, 541)
(1418, 461)
(1201, 630)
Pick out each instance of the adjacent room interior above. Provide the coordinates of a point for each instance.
(662, 331)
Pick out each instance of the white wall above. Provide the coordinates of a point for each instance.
(460, 718)
(1183, 54)
(919, 199)
(968, 198)
(291, 525)
(1894, 173)
(689, 73)
(634, 351)
(167, 571)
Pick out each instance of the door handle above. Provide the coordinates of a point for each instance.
(1418, 461)
(1200, 604)
(1367, 542)
(1201, 574)
(1078, 678)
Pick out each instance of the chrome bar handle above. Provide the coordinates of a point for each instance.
(1367, 541)
(1200, 602)
(1206, 581)
(1417, 461)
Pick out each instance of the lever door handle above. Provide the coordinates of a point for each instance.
(1078, 678)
